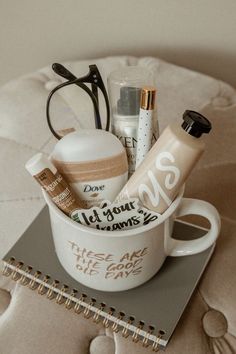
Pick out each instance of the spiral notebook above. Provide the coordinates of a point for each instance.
(148, 314)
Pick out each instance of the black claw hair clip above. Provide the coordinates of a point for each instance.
(94, 78)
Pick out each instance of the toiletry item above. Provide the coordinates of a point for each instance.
(124, 89)
(144, 138)
(125, 122)
(53, 183)
(168, 164)
(93, 162)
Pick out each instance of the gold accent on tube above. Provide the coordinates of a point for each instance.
(148, 97)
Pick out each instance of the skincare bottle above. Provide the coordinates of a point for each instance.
(158, 179)
(46, 174)
(93, 162)
(144, 135)
(124, 89)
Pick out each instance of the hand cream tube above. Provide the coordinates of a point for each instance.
(158, 179)
(53, 183)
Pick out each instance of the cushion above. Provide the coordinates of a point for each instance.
(31, 323)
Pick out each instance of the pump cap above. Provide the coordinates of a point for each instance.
(195, 123)
(129, 102)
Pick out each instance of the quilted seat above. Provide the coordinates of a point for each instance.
(30, 323)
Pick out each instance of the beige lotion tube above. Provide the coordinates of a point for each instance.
(158, 179)
(46, 174)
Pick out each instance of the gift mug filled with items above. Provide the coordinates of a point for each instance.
(112, 233)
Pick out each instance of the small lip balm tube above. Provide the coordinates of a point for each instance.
(46, 174)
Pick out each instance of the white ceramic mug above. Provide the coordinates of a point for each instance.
(121, 260)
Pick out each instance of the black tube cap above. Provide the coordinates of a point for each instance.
(195, 123)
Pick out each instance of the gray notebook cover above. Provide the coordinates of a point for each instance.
(158, 303)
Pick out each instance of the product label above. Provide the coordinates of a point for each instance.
(58, 190)
(94, 192)
(130, 145)
(96, 180)
(152, 190)
(127, 134)
(157, 184)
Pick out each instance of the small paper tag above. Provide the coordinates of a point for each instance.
(124, 215)
(112, 217)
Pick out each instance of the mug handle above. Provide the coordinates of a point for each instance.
(176, 248)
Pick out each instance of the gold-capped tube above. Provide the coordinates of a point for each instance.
(148, 97)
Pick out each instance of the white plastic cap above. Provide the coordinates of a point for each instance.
(38, 163)
(87, 145)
